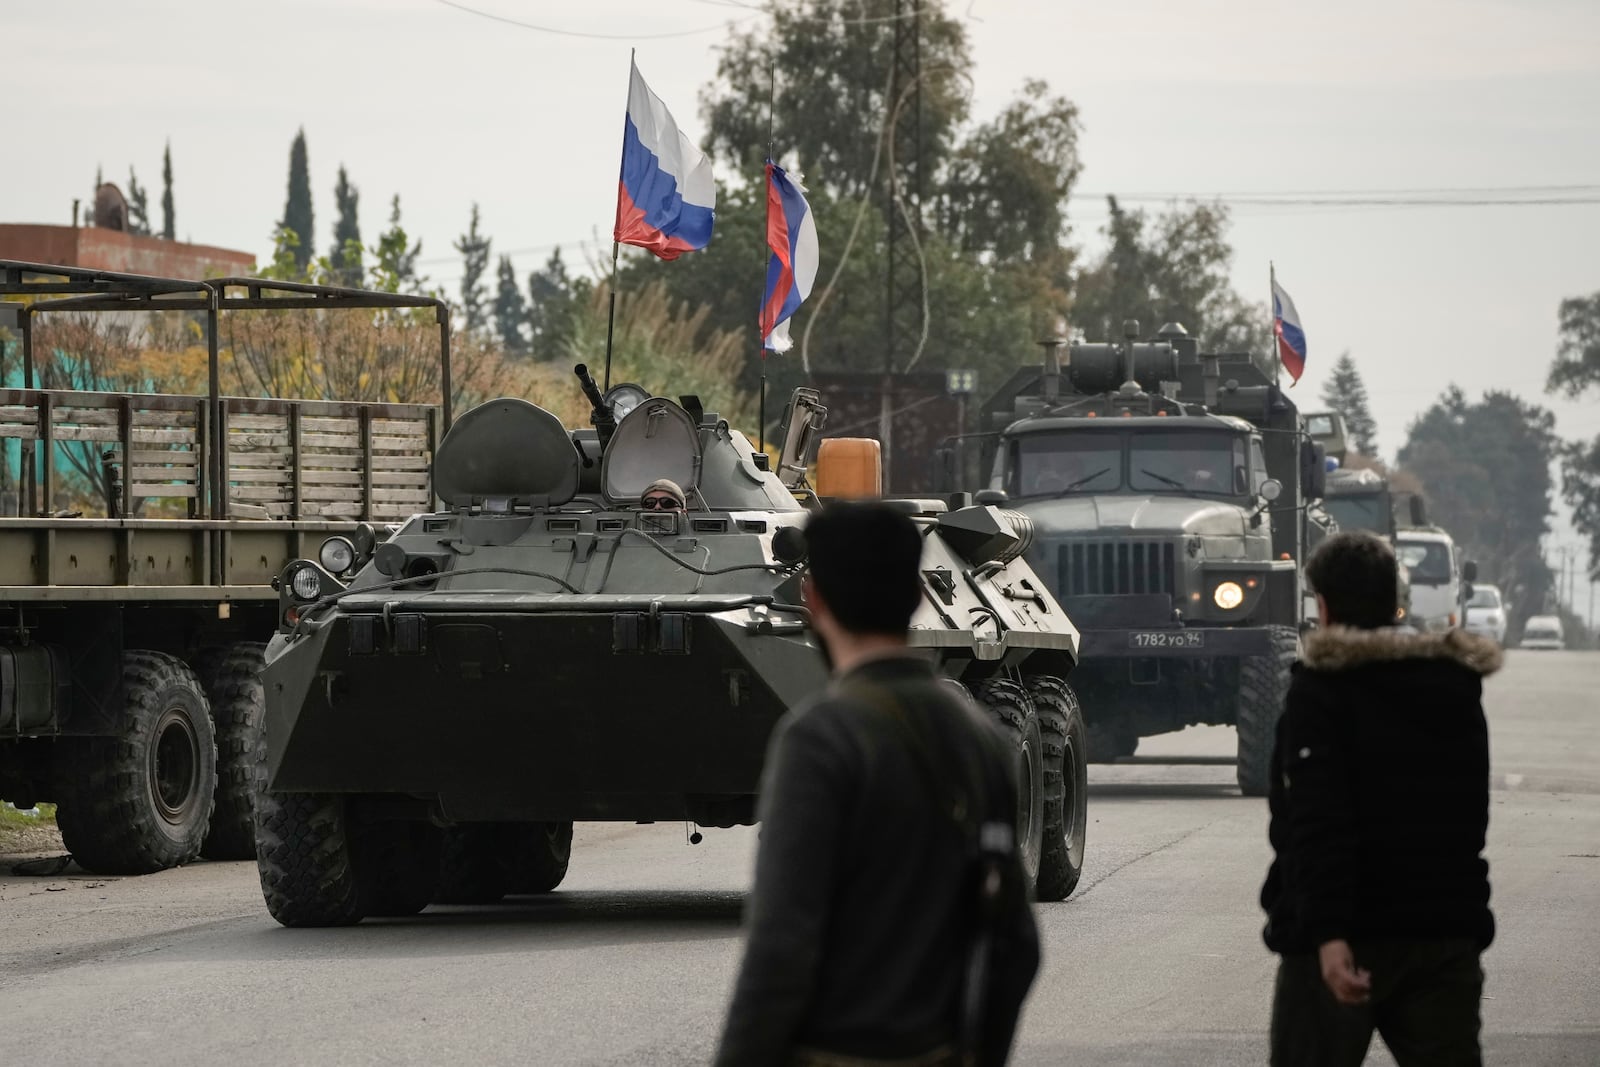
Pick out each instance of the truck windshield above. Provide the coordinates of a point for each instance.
(1428, 562)
(1045, 464)
(1204, 462)
(1188, 461)
(1370, 513)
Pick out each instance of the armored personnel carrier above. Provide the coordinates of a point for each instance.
(1169, 491)
(443, 705)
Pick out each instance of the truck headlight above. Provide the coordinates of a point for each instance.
(337, 555)
(1227, 595)
(305, 585)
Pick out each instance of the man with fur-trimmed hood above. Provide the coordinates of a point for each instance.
(1378, 898)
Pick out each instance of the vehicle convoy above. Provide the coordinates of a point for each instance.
(442, 706)
(1168, 490)
(128, 659)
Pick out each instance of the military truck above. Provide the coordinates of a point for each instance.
(136, 619)
(541, 650)
(1167, 488)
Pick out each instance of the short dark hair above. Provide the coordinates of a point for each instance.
(864, 560)
(1357, 575)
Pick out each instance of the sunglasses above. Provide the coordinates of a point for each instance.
(659, 503)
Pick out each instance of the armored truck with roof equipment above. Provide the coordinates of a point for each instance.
(136, 615)
(542, 651)
(1167, 488)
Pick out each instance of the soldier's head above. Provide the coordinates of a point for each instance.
(863, 582)
(663, 494)
(1356, 581)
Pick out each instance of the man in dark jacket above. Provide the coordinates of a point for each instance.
(862, 912)
(1378, 899)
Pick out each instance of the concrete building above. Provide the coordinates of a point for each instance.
(101, 248)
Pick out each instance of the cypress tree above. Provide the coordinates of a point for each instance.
(138, 206)
(169, 229)
(1347, 394)
(510, 310)
(474, 249)
(396, 269)
(297, 215)
(346, 252)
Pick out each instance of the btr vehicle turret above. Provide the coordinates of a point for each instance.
(1168, 490)
(444, 703)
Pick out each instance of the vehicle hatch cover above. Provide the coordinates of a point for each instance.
(657, 439)
(506, 452)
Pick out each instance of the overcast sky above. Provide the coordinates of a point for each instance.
(1176, 96)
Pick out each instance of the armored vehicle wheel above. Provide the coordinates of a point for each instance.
(141, 801)
(477, 862)
(541, 862)
(304, 851)
(1013, 708)
(1263, 685)
(398, 865)
(1066, 791)
(230, 675)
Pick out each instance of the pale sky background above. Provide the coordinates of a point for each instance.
(1193, 97)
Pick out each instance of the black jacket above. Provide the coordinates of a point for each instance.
(858, 920)
(1380, 791)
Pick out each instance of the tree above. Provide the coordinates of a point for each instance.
(1486, 470)
(394, 269)
(297, 212)
(1345, 393)
(1576, 369)
(138, 206)
(169, 228)
(553, 298)
(345, 255)
(510, 310)
(1173, 268)
(474, 249)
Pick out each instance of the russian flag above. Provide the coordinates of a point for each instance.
(1291, 338)
(666, 197)
(792, 268)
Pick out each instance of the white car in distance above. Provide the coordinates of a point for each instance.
(1486, 613)
(1544, 631)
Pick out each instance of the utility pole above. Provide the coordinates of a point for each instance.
(903, 278)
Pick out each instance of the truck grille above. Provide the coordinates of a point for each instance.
(1115, 568)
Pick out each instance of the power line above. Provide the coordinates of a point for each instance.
(590, 36)
(1422, 191)
(774, 9)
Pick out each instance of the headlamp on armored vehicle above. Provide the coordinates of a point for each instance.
(1227, 595)
(337, 555)
(624, 397)
(306, 584)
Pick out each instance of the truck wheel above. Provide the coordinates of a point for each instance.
(230, 674)
(1011, 706)
(398, 865)
(541, 862)
(304, 854)
(1263, 685)
(140, 802)
(476, 865)
(1066, 791)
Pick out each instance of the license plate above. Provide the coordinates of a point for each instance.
(1166, 639)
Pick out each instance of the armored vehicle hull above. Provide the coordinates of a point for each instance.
(544, 652)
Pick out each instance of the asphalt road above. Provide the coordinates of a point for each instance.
(1156, 959)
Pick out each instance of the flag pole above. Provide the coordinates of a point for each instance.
(761, 409)
(1272, 309)
(611, 310)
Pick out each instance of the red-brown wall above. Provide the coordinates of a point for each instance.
(102, 249)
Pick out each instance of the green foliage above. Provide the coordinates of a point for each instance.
(1576, 370)
(1345, 393)
(346, 251)
(138, 206)
(297, 211)
(554, 298)
(394, 268)
(1486, 469)
(510, 310)
(474, 249)
(169, 228)
(832, 60)
(1173, 268)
